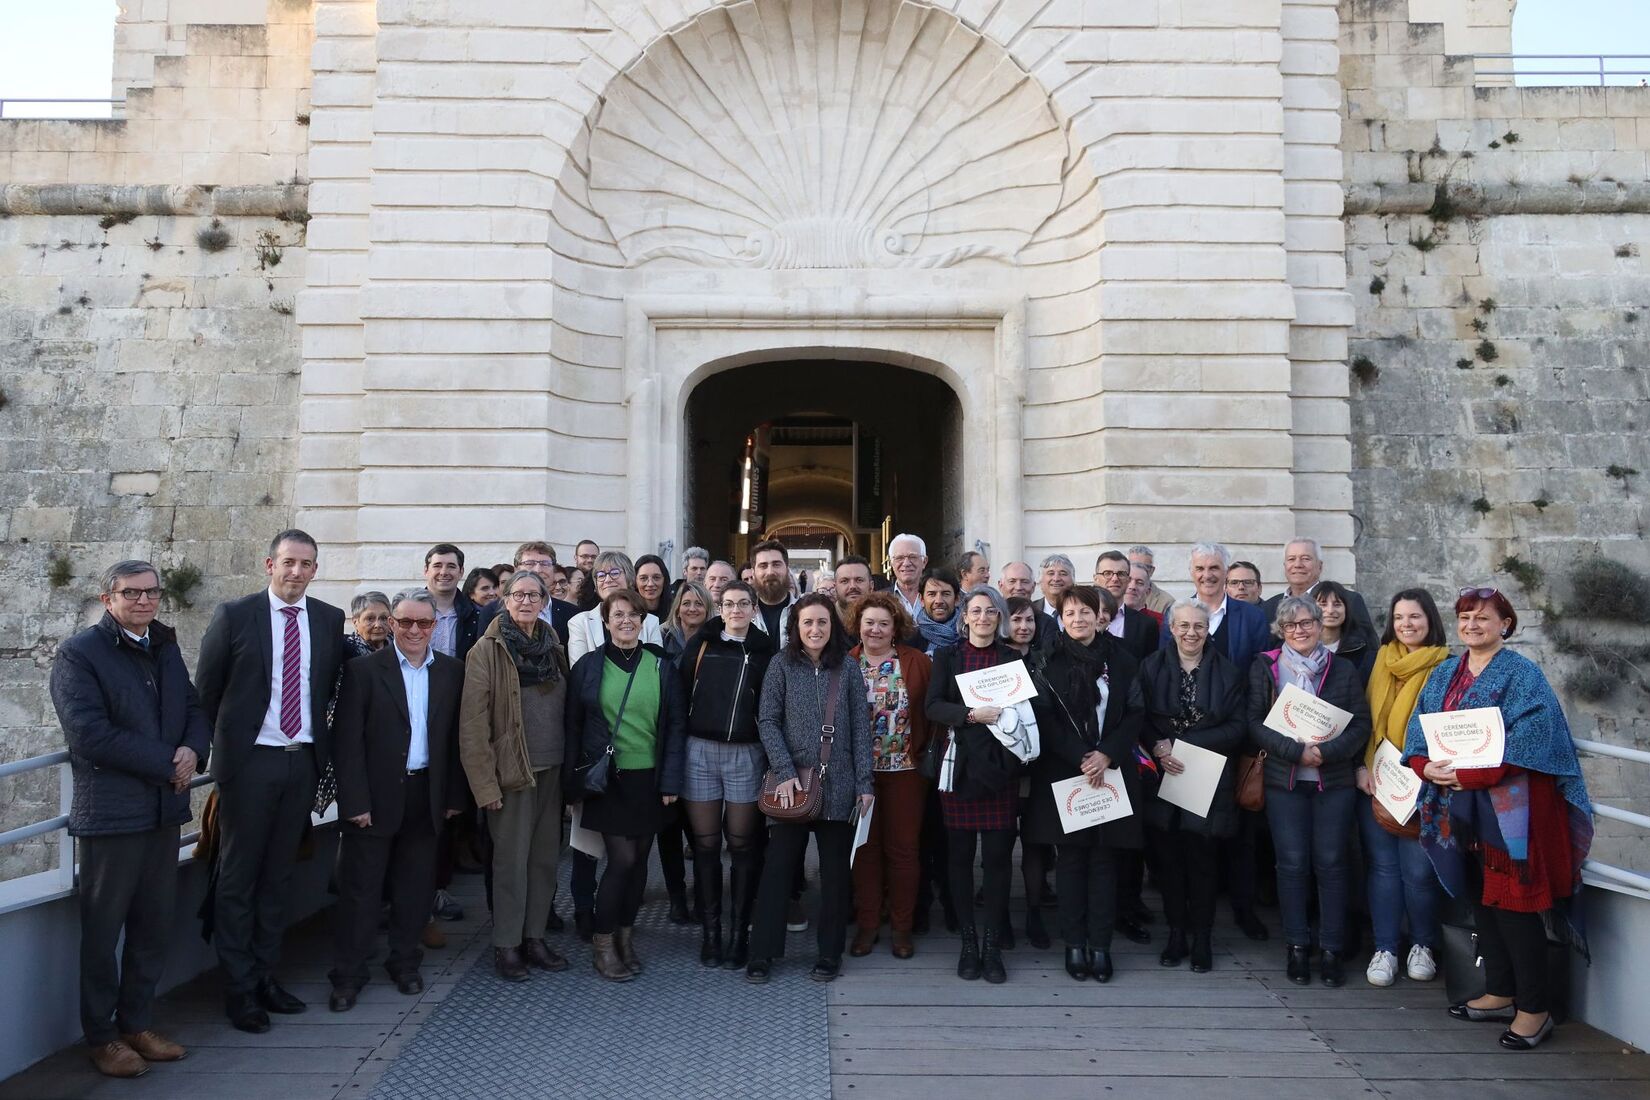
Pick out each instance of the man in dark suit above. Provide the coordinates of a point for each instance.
(1237, 629)
(1302, 570)
(395, 755)
(540, 558)
(268, 664)
(1137, 630)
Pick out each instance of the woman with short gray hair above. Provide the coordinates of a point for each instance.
(369, 614)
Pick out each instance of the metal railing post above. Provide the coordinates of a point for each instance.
(65, 842)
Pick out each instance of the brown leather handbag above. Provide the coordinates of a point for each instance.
(1383, 817)
(1251, 781)
(808, 802)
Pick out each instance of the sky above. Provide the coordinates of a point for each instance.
(62, 47)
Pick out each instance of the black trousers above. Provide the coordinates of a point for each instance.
(787, 844)
(934, 860)
(1243, 856)
(583, 882)
(401, 865)
(129, 883)
(1086, 877)
(1514, 946)
(262, 818)
(1186, 868)
(996, 848)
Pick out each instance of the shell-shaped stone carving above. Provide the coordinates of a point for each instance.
(825, 134)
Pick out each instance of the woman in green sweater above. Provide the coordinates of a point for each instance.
(626, 725)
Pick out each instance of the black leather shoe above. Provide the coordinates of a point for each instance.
(1334, 971)
(1100, 965)
(968, 959)
(1037, 931)
(410, 983)
(1077, 963)
(1299, 965)
(341, 1000)
(1132, 930)
(245, 1014)
(1511, 1040)
(1174, 952)
(757, 971)
(825, 970)
(275, 999)
(1464, 1011)
(584, 923)
(1203, 953)
(1251, 926)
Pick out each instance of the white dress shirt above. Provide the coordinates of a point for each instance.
(269, 734)
(416, 680)
(1217, 616)
(1115, 627)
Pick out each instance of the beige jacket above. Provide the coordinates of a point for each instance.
(492, 745)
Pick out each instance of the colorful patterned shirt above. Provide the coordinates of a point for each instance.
(890, 714)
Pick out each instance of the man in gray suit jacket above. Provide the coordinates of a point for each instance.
(268, 666)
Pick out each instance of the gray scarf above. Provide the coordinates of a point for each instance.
(1304, 672)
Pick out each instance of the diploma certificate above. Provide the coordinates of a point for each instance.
(1305, 717)
(1466, 738)
(999, 686)
(1081, 805)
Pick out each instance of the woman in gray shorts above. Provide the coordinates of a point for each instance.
(722, 667)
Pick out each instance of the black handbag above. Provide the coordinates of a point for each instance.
(597, 771)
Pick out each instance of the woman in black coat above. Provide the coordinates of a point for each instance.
(1193, 694)
(1086, 726)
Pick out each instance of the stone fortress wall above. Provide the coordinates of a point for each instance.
(150, 270)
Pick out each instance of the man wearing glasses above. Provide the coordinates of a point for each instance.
(910, 557)
(136, 737)
(540, 558)
(268, 666)
(395, 753)
(1134, 628)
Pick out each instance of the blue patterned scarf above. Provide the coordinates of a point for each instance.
(938, 635)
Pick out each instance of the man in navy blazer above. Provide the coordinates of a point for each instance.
(1135, 629)
(1237, 629)
(268, 665)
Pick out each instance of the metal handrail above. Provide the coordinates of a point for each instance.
(115, 106)
(1599, 68)
(34, 763)
(61, 821)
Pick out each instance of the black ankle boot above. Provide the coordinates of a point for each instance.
(1077, 962)
(968, 962)
(1175, 950)
(1334, 973)
(1203, 952)
(1100, 964)
(1299, 964)
(991, 958)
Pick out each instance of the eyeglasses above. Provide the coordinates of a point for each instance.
(133, 595)
(982, 612)
(527, 596)
(536, 563)
(623, 617)
(609, 574)
(1465, 593)
(415, 624)
(907, 557)
(737, 605)
(1299, 626)
(1239, 582)
(1112, 574)
(1194, 628)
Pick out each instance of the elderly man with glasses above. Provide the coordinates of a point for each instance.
(136, 736)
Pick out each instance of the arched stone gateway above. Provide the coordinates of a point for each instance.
(1085, 240)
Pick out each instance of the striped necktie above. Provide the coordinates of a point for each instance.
(292, 710)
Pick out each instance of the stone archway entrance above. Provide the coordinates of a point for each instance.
(823, 451)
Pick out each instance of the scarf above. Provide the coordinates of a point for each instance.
(1088, 672)
(1394, 689)
(537, 658)
(937, 635)
(1305, 672)
(1498, 820)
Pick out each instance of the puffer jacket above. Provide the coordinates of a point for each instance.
(792, 712)
(124, 712)
(1342, 754)
(722, 682)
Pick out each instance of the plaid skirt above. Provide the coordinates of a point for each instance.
(997, 811)
(723, 771)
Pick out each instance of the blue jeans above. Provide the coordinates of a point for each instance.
(1401, 880)
(1310, 831)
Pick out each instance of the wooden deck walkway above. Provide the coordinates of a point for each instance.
(911, 1029)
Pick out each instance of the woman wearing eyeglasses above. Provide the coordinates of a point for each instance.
(369, 614)
(1512, 837)
(512, 743)
(1310, 791)
(722, 667)
(625, 719)
(585, 631)
(981, 808)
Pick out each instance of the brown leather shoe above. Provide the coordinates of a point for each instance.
(864, 940)
(903, 947)
(434, 938)
(152, 1046)
(116, 1059)
(606, 960)
(508, 963)
(540, 954)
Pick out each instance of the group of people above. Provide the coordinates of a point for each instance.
(485, 712)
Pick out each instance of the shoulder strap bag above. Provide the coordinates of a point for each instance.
(596, 772)
(810, 800)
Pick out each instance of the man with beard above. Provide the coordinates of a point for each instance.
(771, 567)
(853, 583)
(938, 620)
(910, 557)
(1134, 629)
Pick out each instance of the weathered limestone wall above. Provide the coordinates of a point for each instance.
(1501, 352)
(148, 357)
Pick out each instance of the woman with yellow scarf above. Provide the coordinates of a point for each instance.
(1401, 878)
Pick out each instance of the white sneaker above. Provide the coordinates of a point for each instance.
(1420, 967)
(1383, 969)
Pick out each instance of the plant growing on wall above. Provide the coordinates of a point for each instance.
(179, 583)
(59, 571)
(1605, 629)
